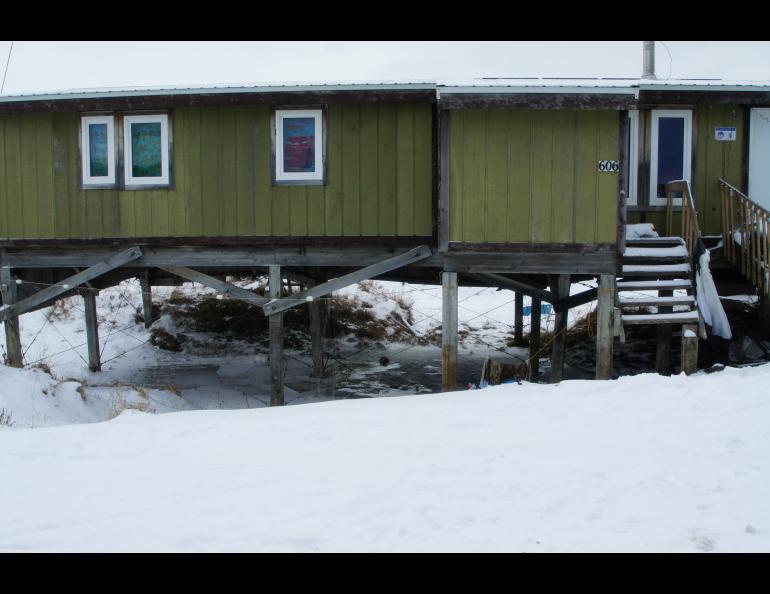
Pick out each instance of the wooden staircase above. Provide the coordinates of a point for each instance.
(664, 265)
(660, 264)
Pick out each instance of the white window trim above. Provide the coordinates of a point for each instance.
(318, 174)
(633, 158)
(85, 150)
(163, 179)
(687, 153)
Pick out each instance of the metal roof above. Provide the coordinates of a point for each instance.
(478, 85)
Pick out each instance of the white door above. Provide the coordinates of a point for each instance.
(759, 157)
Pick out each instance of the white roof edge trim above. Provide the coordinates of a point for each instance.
(712, 87)
(551, 90)
(216, 91)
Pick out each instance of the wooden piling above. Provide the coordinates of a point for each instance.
(560, 286)
(276, 340)
(316, 336)
(144, 281)
(449, 331)
(534, 339)
(518, 319)
(663, 360)
(689, 348)
(604, 326)
(92, 330)
(14, 354)
(764, 316)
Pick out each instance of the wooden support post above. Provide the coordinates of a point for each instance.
(560, 287)
(92, 330)
(449, 331)
(534, 339)
(764, 315)
(689, 348)
(144, 281)
(316, 335)
(604, 329)
(663, 363)
(276, 340)
(518, 319)
(14, 356)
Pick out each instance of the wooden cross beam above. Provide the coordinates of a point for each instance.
(54, 291)
(215, 283)
(410, 257)
(514, 285)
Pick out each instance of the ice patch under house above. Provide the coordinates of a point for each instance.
(521, 184)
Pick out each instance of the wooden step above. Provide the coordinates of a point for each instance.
(656, 270)
(654, 285)
(656, 301)
(664, 254)
(679, 317)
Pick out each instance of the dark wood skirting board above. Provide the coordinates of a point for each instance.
(137, 102)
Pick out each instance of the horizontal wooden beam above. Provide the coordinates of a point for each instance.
(52, 292)
(231, 259)
(216, 284)
(536, 100)
(415, 255)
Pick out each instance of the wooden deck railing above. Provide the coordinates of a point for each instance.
(746, 236)
(690, 230)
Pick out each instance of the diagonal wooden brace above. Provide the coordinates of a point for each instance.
(215, 283)
(33, 301)
(410, 257)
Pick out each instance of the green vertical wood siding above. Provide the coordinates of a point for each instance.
(531, 176)
(715, 159)
(378, 166)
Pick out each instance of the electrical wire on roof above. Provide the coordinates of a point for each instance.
(670, 60)
(7, 62)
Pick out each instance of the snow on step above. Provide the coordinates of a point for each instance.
(656, 269)
(678, 251)
(681, 300)
(654, 241)
(680, 317)
(654, 285)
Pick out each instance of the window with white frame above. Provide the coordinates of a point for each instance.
(146, 150)
(633, 158)
(299, 155)
(671, 151)
(97, 149)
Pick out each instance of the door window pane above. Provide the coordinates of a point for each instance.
(670, 151)
(146, 150)
(299, 145)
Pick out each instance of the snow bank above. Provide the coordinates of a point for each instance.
(644, 463)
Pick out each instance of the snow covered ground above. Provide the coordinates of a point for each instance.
(643, 463)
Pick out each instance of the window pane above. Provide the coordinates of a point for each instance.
(146, 150)
(299, 144)
(98, 165)
(670, 152)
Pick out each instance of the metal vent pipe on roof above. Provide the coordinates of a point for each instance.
(648, 52)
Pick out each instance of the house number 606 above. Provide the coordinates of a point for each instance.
(610, 166)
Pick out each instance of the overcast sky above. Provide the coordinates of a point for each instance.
(40, 66)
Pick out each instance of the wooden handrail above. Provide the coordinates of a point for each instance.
(690, 231)
(747, 224)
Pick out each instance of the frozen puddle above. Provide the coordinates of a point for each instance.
(244, 381)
